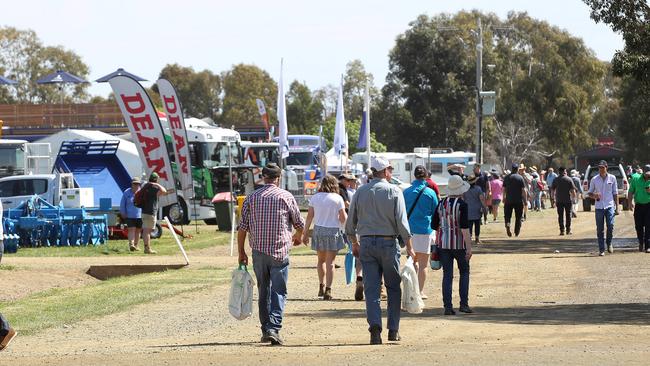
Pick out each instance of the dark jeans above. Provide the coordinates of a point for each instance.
(4, 326)
(604, 217)
(271, 278)
(519, 210)
(2, 246)
(642, 224)
(380, 257)
(564, 213)
(477, 228)
(447, 257)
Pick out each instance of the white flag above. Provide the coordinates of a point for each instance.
(340, 136)
(282, 119)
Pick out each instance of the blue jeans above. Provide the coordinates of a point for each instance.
(447, 257)
(380, 256)
(271, 278)
(537, 201)
(604, 216)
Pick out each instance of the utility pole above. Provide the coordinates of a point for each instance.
(479, 89)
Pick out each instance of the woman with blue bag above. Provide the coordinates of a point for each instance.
(327, 211)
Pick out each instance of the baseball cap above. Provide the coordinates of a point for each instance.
(515, 166)
(271, 170)
(602, 163)
(347, 176)
(420, 172)
(153, 177)
(379, 164)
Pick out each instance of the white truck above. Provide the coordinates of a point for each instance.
(19, 157)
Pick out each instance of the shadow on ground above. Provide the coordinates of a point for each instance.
(620, 314)
(545, 246)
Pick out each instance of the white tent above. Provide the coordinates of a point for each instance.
(127, 151)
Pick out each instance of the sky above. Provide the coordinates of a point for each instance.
(316, 39)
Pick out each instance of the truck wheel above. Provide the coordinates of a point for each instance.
(586, 205)
(212, 221)
(177, 213)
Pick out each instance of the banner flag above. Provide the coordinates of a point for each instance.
(142, 119)
(174, 112)
(282, 119)
(364, 131)
(340, 136)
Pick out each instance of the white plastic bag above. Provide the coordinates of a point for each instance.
(240, 303)
(411, 298)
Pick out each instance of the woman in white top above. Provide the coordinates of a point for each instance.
(327, 211)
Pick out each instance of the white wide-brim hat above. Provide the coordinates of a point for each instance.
(456, 186)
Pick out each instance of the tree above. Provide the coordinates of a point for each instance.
(24, 58)
(199, 92)
(355, 81)
(242, 85)
(304, 112)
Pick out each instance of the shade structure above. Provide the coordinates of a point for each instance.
(119, 72)
(61, 77)
(5, 81)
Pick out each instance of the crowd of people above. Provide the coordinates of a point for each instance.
(377, 220)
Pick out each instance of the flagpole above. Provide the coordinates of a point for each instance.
(367, 103)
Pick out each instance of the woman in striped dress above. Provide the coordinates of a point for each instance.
(453, 240)
(327, 211)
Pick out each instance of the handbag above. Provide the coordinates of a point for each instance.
(408, 215)
(435, 258)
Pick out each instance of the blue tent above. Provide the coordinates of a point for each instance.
(5, 81)
(119, 72)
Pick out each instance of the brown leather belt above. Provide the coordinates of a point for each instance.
(380, 236)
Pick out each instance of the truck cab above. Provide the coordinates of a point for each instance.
(257, 155)
(307, 160)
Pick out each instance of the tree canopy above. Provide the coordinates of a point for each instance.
(241, 86)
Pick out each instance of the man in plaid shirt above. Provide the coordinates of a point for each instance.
(268, 216)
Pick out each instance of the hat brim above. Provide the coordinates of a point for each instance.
(459, 190)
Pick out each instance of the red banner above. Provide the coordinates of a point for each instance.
(141, 118)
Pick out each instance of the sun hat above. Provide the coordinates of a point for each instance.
(457, 166)
(472, 179)
(456, 186)
(379, 164)
(135, 180)
(347, 176)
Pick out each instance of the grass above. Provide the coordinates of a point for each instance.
(56, 307)
(8, 267)
(165, 245)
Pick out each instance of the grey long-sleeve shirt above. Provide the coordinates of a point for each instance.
(378, 208)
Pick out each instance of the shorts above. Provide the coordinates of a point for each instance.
(422, 242)
(136, 223)
(148, 221)
(496, 203)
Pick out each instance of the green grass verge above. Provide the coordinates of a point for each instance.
(56, 307)
(8, 267)
(207, 237)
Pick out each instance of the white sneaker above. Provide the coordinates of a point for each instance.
(647, 250)
(610, 248)
(602, 254)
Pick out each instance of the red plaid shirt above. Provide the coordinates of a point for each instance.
(268, 215)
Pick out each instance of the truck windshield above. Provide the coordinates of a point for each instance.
(215, 154)
(260, 156)
(12, 160)
(300, 158)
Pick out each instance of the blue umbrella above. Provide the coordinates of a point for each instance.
(5, 81)
(119, 72)
(61, 77)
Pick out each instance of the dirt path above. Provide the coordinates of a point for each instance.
(533, 306)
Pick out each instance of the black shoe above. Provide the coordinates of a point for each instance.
(508, 231)
(358, 293)
(394, 336)
(265, 337)
(336, 266)
(321, 290)
(465, 309)
(275, 338)
(450, 312)
(561, 233)
(569, 232)
(641, 248)
(375, 335)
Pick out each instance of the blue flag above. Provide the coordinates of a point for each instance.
(363, 142)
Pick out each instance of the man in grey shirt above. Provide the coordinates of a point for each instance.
(378, 216)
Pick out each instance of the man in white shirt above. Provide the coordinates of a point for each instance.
(603, 189)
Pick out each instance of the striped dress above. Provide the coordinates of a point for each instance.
(451, 218)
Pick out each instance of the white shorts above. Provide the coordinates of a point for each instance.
(422, 242)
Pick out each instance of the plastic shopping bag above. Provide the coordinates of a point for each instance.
(350, 263)
(240, 303)
(411, 299)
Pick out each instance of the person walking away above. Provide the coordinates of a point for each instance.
(343, 192)
(131, 214)
(475, 200)
(527, 179)
(7, 333)
(267, 217)
(378, 216)
(431, 184)
(536, 188)
(639, 198)
(496, 187)
(575, 176)
(421, 203)
(550, 177)
(565, 192)
(514, 199)
(152, 192)
(452, 238)
(327, 211)
(603, 189)
(482, 180)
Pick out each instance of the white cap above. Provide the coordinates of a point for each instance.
(379, 164)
